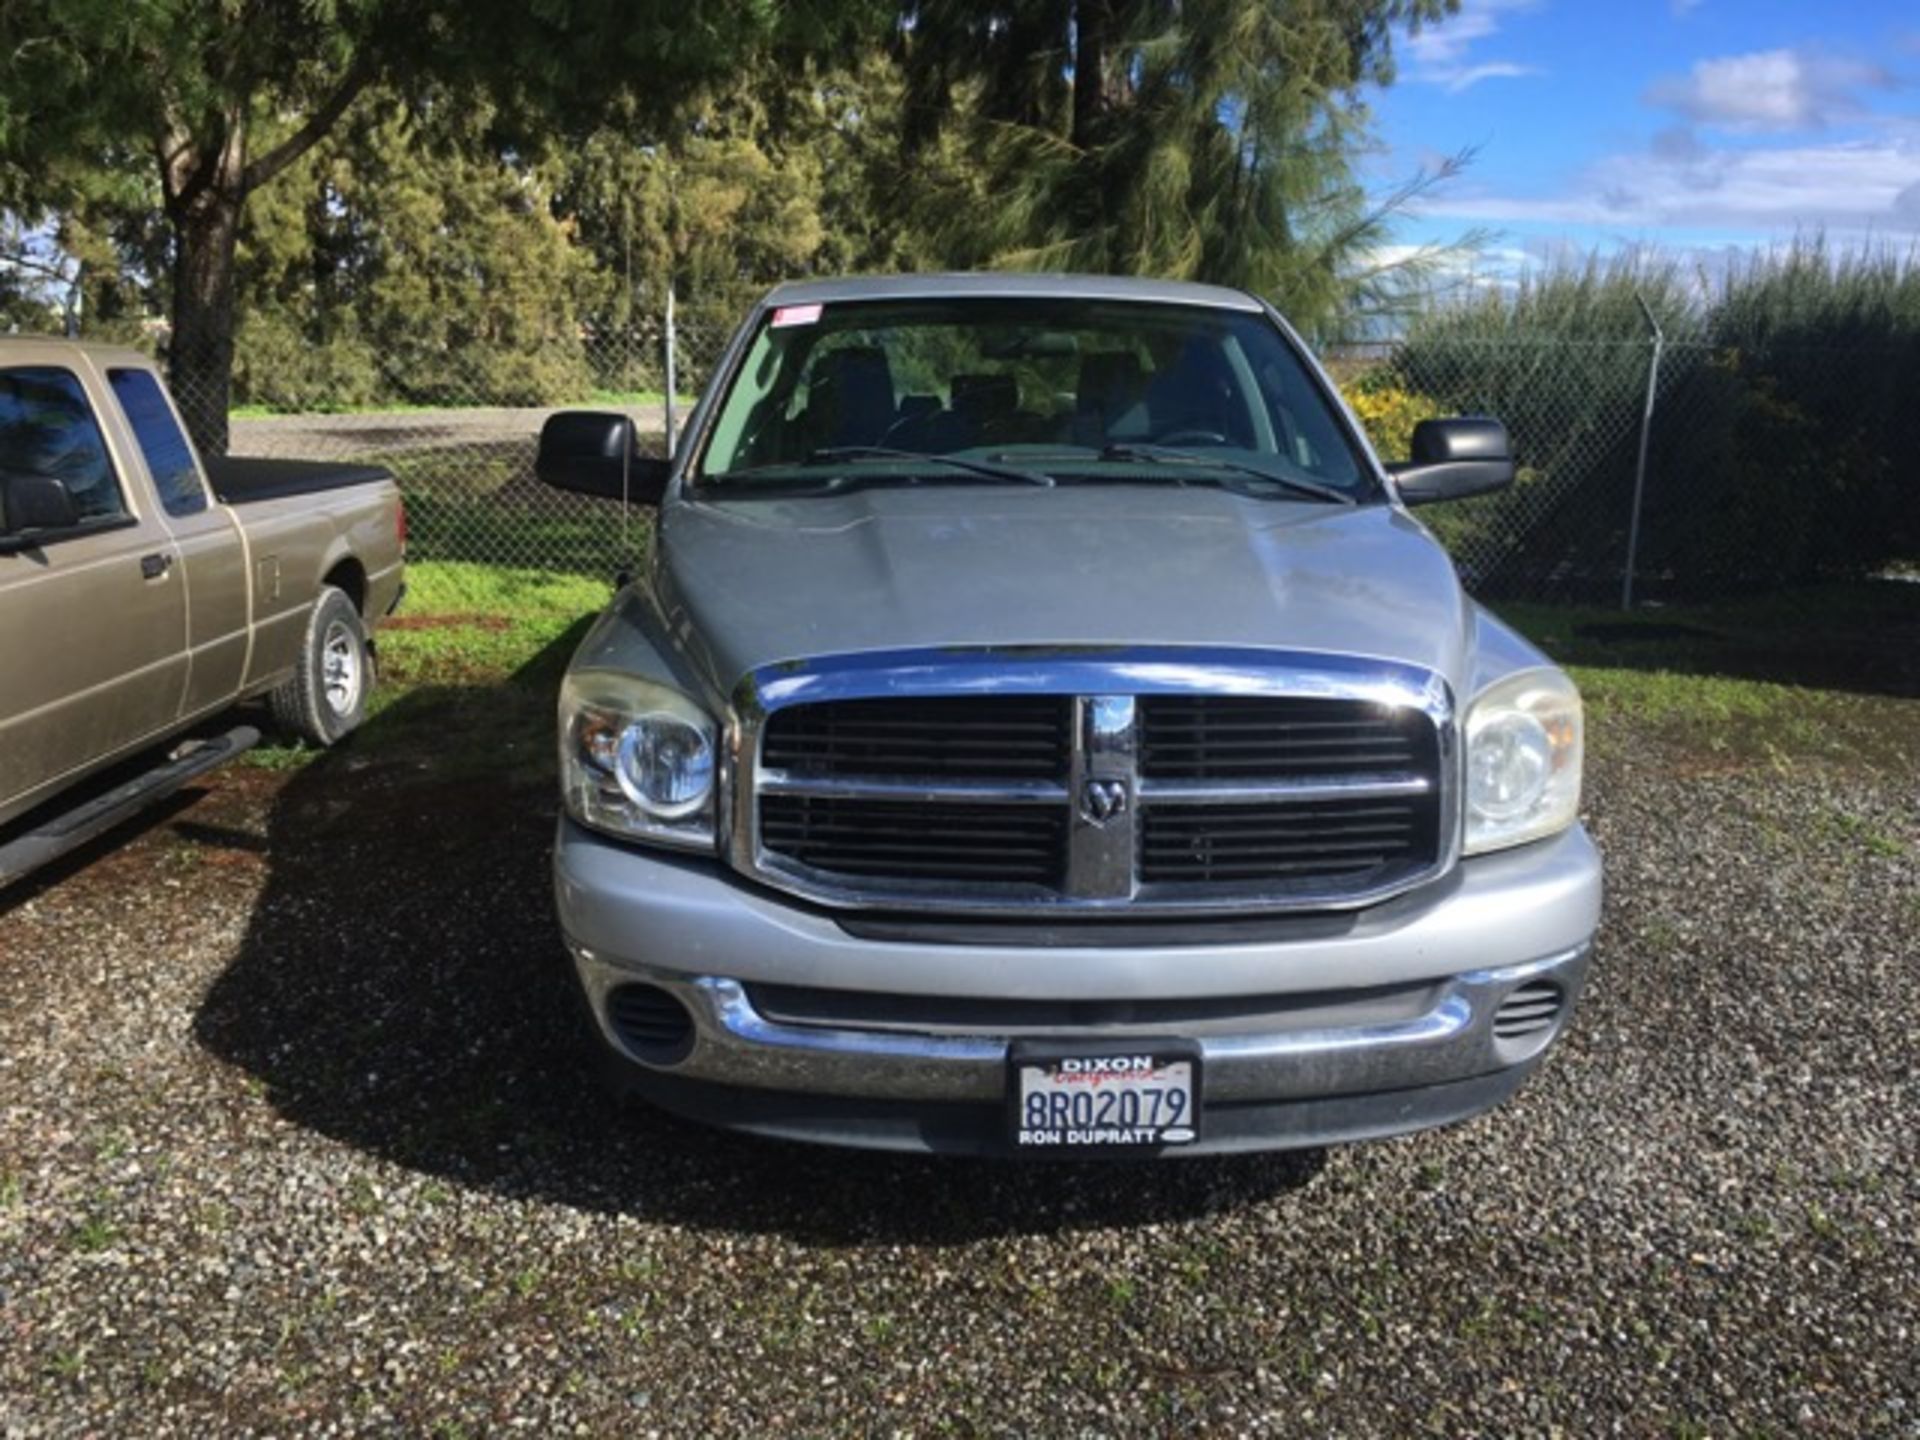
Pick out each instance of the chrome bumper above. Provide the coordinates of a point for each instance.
(1495, 923)
(735, 1045)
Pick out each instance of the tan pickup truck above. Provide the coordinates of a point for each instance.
(143, 592)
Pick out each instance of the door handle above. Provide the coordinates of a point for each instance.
(152, 567)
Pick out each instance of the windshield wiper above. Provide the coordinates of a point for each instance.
(838, 454)
(833, 454)
(1170, 455)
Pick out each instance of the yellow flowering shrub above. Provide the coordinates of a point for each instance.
(1389, 415)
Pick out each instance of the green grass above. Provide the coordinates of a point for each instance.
(1733, 719)
(94, 1234)
(468, 669)
(1825, 672)
(1855, 830)
(467, 623)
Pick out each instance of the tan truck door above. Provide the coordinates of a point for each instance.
(213, 554)
(92, 619)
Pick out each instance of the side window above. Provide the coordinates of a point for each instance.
(169, 457)
(47, 428)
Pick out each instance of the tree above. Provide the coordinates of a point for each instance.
(1200, 139)
(408, 258)
(216, 99)
(784, 170)
(184, 85)
(37, 290)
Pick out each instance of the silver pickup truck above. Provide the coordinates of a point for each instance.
(143, 592)
(1042, 729)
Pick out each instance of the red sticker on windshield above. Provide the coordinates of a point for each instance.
(795, 315)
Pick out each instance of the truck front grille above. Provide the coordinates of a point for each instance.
(963, 843)
(1230, 843)
(1020, 737)
(1211, 737)
(1101, 799)
(1253, 738)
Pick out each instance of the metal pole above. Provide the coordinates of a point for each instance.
(1640, 466)
(672, 380)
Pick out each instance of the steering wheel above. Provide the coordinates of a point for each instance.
(1188, 437)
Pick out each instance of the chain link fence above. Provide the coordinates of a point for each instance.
(463, 454)
(1757, 467)
(1676, 466)
(1582, 415)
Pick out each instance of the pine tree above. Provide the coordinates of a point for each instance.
(1200, 139)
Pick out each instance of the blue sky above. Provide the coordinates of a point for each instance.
(1685, 124)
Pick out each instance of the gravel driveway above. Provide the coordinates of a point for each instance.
(291, 1139)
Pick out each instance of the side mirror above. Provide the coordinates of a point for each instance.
(1452, 459)
(590, 452)
(30, 504)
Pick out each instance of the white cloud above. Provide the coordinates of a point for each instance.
(1684, 8)
(1446, 258)
(1440, 52)
(1441, 269)
(1770, 90)
(1870, 185)
(1471, 75)
(1765, 144)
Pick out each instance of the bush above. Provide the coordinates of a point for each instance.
(551, 374)
(1388, 412)
(1784, 425)
(280, 368)
(1786, 455)
(277, 366)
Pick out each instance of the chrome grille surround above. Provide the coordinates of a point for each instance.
(1102, 862)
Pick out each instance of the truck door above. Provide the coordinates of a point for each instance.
(92, 618)
(213, 554)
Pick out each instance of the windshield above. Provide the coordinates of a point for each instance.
(1074, 390)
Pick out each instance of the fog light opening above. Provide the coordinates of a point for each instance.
(651, 1022)
(1530, 1010)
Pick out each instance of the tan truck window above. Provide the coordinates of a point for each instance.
(47, 428)
(169, 458)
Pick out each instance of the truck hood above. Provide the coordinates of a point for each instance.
(743, 584)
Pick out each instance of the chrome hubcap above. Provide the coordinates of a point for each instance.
(340, 668)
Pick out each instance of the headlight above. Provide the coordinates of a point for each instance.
(637, 759)
(1523, 760)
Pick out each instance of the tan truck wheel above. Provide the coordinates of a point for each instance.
(326, 697)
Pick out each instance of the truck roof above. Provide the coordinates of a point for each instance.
(1009, 285)
(54, 349)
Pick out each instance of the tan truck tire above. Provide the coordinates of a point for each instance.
(325, 699)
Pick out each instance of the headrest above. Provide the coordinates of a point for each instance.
(1109, 379)
(983, 395)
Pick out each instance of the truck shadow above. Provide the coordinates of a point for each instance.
(1858, 636)
(401, 989)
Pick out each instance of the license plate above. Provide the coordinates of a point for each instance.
(1109, 1096)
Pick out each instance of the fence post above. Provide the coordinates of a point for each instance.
(1640, 466)
(672, 379)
